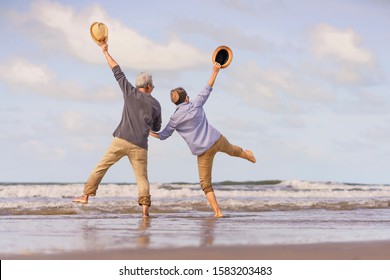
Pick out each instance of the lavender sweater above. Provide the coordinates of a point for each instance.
(191, 122)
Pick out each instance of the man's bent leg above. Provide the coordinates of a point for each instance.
(112, 155)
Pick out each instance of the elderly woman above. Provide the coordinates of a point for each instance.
(204, 141)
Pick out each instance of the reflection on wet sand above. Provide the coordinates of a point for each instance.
(143, 239)
(207, 236)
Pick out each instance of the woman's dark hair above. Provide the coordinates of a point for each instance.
(178, 95)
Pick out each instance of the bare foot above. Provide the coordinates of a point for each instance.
(218, 215)
(145, 211)
(82, 199)
(250, 155)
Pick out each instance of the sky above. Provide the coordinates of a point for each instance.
(307, 90)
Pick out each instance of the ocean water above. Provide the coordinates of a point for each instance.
(41, 218)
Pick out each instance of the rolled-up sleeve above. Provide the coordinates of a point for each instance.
(168, 130)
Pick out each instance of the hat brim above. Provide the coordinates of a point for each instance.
(222, 55)
(102, 27)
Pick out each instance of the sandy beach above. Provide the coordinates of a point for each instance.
(376, 250)
(288, 221)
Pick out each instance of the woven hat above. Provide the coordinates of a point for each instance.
(223, 55)
(99, 32)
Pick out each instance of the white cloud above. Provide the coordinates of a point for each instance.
(85, 132)
(297, 83)
(343, 58)
(87, 146)
(60, 26)
(42, 151)
(344, 45)
(20, 73)
(279, 89)
(291, 121)
(74, 122)
(4, 136)
(29, 74)
(231, 35)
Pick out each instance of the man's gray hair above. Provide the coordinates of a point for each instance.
(143, 79)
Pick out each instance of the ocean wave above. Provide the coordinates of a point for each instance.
(131, 207)
(299, 184)
(56, 199)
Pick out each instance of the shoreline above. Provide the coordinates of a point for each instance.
(368, 250)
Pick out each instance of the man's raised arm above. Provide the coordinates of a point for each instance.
(111, 62)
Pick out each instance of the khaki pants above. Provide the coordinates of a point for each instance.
(205, 161)
(139, 160)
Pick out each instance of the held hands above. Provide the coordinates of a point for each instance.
(154, 134)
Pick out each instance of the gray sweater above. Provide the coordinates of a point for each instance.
(141, 113)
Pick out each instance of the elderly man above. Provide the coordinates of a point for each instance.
(141, 114)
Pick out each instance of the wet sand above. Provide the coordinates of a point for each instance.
(375, 250)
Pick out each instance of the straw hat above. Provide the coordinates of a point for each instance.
(99, 32)
(223, 55)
